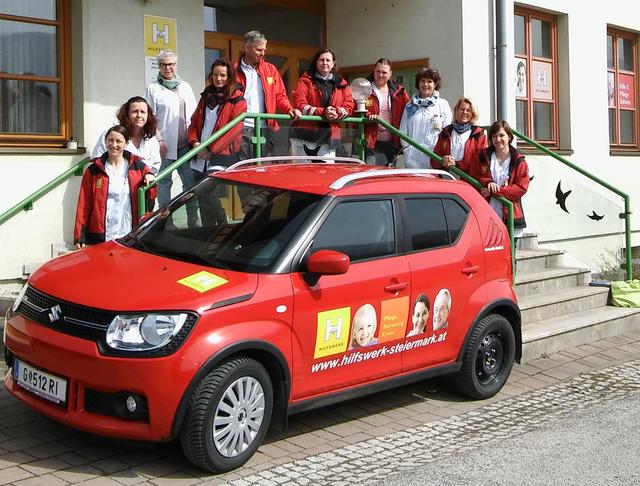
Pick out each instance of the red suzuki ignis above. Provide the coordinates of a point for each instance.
(301, 284)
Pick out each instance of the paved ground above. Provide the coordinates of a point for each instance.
(355, 443)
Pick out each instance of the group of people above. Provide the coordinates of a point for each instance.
(157, 129)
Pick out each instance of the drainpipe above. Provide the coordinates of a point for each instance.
(502, 62)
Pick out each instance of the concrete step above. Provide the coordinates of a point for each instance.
(550, 280)
(561, 302)
(528, 241)
(529, 261)
(555, 334)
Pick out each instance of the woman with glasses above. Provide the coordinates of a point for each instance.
(460, 143)
(173, 102)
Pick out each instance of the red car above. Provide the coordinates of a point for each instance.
(302, 285)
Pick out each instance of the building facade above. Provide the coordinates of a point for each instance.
(571, 84)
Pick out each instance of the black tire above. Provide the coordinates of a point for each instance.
(487, 359)
(237, 423)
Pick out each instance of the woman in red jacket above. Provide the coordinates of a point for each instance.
(322, 92)
(219, 103)
(502, 170)
(108, 200)
(460, 143)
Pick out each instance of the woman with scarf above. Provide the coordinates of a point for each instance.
(502, 171)
(219, 103)
(321, 92)
(460, 143)
(172, 100)
(424, 117)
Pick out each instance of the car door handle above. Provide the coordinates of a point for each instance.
(396, 287)
(471, 270)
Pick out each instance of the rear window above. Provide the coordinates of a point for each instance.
(434, 221)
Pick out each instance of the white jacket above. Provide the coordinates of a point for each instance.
(165, 104)
(424, 127)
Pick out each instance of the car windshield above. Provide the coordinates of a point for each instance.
(227, 225)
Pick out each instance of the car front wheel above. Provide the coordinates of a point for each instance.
(228, 415)
(487, 359)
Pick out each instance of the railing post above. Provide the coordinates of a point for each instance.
(257, 137)
(362, 141)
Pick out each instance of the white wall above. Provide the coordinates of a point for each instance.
(108, 68)
(362, 32)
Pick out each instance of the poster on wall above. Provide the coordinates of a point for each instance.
(159, 33)
(626, 91)
(611, 89)
(542, 84)
(520, 71)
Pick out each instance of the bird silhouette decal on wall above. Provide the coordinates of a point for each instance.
(595, 216)
(561, 197)
(311, 152)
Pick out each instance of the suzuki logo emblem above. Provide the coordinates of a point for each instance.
(55, 314)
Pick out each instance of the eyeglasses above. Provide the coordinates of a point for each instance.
(166, 64)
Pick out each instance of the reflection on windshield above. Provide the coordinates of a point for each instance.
(240, 227)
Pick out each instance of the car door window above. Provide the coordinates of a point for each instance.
(456, 216)
(426, 222)
(361, 229)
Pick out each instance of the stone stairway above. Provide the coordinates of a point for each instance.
(559, 307)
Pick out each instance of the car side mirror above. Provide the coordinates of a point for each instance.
(328, 262)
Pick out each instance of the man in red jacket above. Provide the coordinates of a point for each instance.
(263, 89)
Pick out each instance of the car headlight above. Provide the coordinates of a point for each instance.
(16, 303)
(143, 332)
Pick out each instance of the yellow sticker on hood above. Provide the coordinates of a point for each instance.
(203, 281)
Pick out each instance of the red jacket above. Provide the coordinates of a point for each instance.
(90, 226)
(229, 143)
(516, 187)
(476, 142)
(308, 99)
(275, 93)
(399, 98)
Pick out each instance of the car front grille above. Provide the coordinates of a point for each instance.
(87, 322)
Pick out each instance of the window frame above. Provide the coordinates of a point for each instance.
(528, 57)
(617, 34)
(63, 80)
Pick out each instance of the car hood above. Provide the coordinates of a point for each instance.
(117, 278)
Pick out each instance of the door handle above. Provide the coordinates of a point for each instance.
(396, 287)
(471, 270)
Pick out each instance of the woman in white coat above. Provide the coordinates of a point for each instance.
(172, 100)
(423, 118)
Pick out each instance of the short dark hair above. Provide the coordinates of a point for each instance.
(119, 129)
(313, 65)
(497, 126)
(428, 73)
(149, 129)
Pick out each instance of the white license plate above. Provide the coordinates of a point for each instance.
(39, 382)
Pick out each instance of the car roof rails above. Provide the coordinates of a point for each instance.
(351, 178)
(283, 159)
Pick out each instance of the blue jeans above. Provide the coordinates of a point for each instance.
(186, 176)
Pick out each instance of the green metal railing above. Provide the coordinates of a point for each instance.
(27, 203)
(76, 170)
(626, 215)
(258, 140)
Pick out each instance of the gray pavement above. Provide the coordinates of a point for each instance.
(359, 442)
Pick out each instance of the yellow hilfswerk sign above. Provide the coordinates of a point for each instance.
(160, 33)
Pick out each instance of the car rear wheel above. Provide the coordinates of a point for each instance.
(228, 415)
(487, 359)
